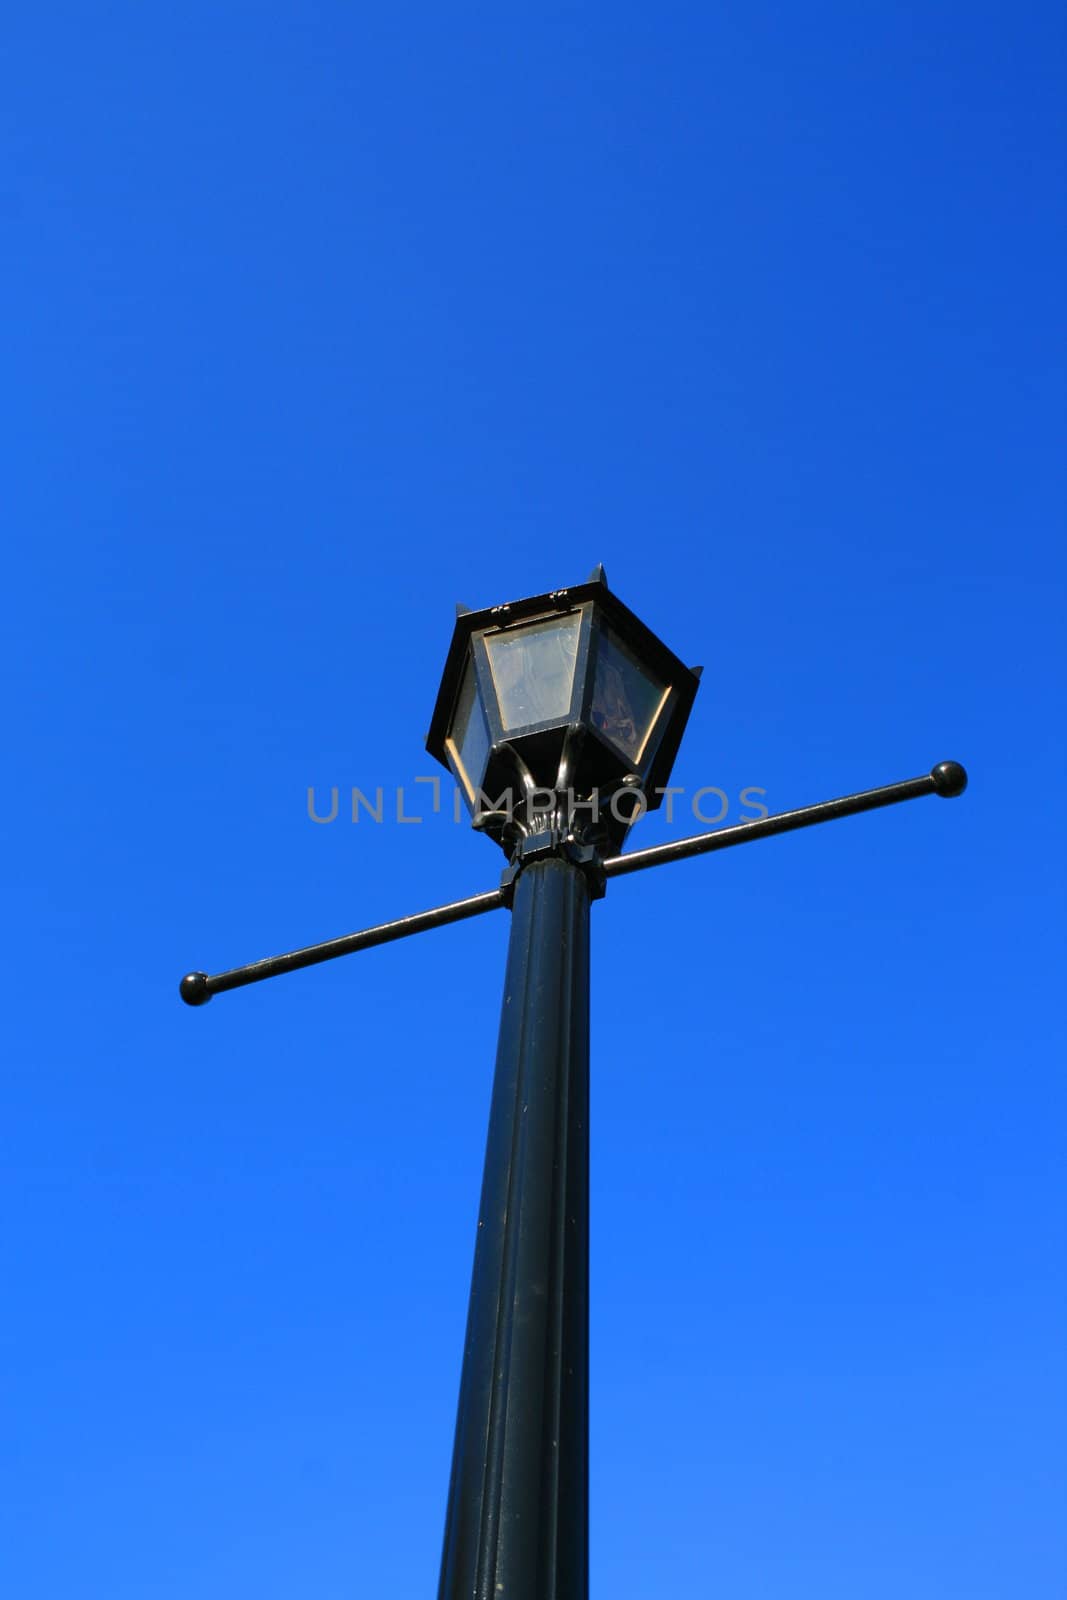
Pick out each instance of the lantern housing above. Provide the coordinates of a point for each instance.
(563, 692)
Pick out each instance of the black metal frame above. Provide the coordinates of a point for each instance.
(514, 753)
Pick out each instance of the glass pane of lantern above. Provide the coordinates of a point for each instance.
(469, 741)
(626, 698)
(533, 670)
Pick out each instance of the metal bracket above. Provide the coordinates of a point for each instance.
(568, 847)
(948, 779)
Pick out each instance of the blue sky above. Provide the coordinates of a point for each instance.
(320, 318)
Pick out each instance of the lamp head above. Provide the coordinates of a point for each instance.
(561, 694)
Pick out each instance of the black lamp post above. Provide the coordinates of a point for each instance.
(560, 717)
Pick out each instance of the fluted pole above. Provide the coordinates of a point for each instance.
(517, 1520)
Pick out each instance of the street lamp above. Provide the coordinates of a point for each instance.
(564, 705)
(560, 717)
